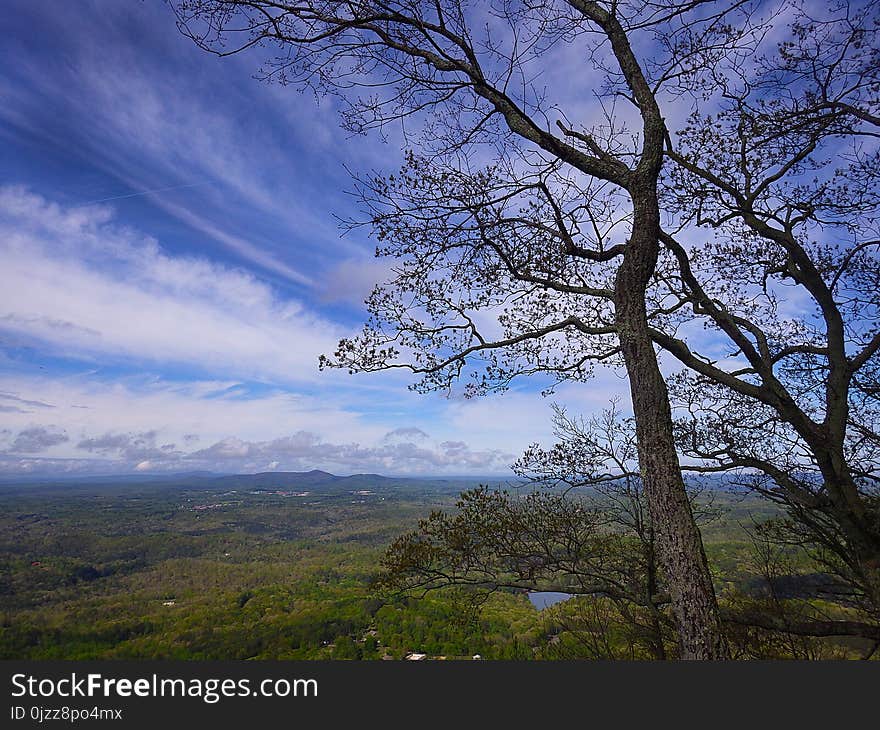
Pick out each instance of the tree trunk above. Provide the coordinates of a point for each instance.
(679, 545)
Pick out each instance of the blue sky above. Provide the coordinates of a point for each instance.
(173, 269)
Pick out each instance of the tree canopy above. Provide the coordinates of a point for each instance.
(589, 182)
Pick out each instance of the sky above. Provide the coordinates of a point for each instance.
(173, 268)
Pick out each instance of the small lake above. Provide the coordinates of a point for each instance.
(545, 599)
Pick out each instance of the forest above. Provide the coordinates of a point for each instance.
(301, 566)
(184, 571)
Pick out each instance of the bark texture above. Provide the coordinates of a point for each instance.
(679, 544)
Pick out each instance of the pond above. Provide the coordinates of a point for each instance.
(545, 599)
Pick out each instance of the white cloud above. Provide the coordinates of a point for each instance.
(122, 411)
(141, 423)
(352, 280)
(518, 418)
(87, 287)
(153, 427)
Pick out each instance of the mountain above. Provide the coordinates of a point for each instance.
(316, 480)
(298, 480)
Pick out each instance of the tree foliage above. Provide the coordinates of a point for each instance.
(698, 166)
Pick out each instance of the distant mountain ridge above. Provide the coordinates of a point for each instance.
(316, 480)
(300, 479)
(294, 477)
(269, 480)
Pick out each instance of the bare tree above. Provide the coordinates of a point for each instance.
(527, 227)
(785, 173)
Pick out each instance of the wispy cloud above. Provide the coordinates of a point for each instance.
(23, 401)
(249, 167)
(84, 286)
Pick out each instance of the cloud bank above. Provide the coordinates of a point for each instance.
(300, 451)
